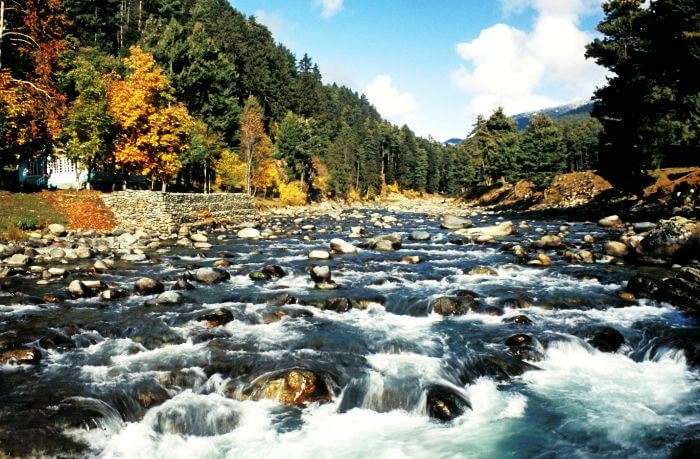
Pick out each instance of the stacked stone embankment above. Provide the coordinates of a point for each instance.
(157, 211)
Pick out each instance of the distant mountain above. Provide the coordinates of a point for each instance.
(453, 142)
(562, 111)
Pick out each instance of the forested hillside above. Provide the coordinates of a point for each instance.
(193, 95)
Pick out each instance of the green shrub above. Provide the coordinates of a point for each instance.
(27, 223)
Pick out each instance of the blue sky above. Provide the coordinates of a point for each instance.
(436, 64)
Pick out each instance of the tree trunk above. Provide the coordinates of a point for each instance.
(2, 28)
(164, 187)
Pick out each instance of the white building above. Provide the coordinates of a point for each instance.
(56, 172)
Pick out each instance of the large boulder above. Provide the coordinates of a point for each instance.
(385, 242)
(677, 239)
(549, 241)
(18, 259)
(445, 403)
(610, 222)
(320, 273)
(341, 246)
(294, 387)
(86, 289)
(606, 339)
(57, 229)
(249, 233)
(485, 233)
(420, 236)
(452, 222)
(24, 356)
(147, 286)
(460, 304)
(217, 317)
(682, 290)
(615, 249)
(211, 275)
(319, 255)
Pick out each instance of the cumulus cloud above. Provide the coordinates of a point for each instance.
(529, 70)
(330, 8)
(391, 102)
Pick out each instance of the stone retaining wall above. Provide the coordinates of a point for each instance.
(157, 211)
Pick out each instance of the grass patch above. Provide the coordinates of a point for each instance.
(21, 212)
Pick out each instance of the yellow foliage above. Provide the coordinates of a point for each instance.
(230, 172)
(393, 188)
(155, 130)
(15, 108)
(292, 194)
(353, 195)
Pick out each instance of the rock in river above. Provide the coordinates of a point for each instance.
(445, 403)
(86, 289)
(147, 286)
(485, 233)
(452, 222)
(211, 275)
(677, 238)
(320, 273)
(295, 387)
(607, 339)
(249, 233)
(341, 246)
(25, 356)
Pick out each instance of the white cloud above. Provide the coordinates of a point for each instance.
(529, 70)
(391, 103)
(330, 8)
(272, 21)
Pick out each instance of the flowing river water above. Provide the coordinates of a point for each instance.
(130, 379)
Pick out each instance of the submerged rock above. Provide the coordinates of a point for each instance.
(498, 367)
(524, 347)
(483, 271)
(445, 403)
(518, 320)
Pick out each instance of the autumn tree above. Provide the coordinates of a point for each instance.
(154, 129)
(255, 145)
(31, 41)
(230, 171)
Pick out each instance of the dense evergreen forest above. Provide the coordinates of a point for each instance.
(192, 94)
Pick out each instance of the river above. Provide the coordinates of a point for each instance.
(129, 379)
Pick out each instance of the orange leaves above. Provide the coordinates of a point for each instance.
(81, 209)
(154, 129)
